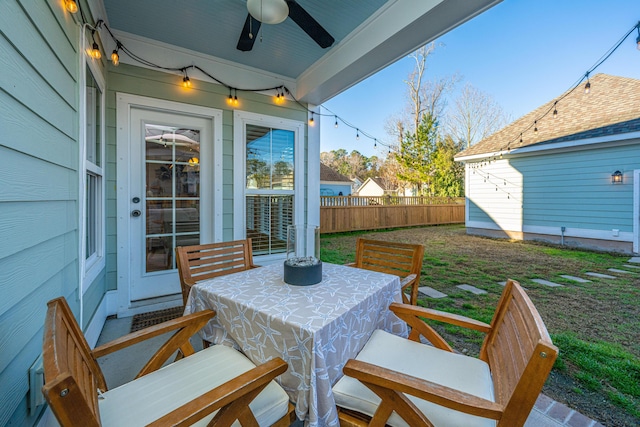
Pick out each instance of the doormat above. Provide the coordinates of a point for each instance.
(144, 320)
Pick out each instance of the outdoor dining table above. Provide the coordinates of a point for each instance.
(315, 329)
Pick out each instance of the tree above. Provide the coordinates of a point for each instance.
(475, 116)
(448, 175)
(416, 151)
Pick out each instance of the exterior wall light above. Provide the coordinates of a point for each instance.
(616, 177)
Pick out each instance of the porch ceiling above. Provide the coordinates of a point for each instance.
(369, 35)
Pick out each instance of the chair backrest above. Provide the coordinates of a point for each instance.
(519, 352)
(201, 262)
(400, 259)
(72, 375)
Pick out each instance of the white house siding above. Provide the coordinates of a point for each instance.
(38, 185)
(570, 189)
(494, 196)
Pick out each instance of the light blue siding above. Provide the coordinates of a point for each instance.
(144, 82)
(574, 189)
(555, 189)
(335, 189)
(38, 185)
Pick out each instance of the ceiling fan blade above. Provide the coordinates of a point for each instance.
(245, 43)
(309, 25)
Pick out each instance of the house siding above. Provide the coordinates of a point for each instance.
(150, 83)
(541, 192)
(39, 185)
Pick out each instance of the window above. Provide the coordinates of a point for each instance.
(93, 191)
(272, 180)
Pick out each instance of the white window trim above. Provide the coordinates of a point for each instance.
(240, 121)
(91, 268)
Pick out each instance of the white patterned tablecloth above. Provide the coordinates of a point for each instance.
(315, 329)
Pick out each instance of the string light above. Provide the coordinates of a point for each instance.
(185, 80)
(535, 127)
(115, 58)
(357, 134)
(95, 51)
(71, 6)
(555, 110)
(230, 99)
(638, 38)
(311, 122)
(587, 86)
(336, 124)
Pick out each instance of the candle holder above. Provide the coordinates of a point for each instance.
(302, 270)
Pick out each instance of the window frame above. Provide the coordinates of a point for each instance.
(241, 120)
(93, 266)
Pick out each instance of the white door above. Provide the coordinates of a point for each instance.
(170, 201)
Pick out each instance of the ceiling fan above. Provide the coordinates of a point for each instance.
(274, 12)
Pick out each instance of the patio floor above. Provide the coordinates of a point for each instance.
(122, 366)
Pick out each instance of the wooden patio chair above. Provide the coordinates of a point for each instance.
(217, 385)
(201, 262)
(404, 382)
(400, 259)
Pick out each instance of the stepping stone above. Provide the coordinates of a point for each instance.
(632, 266)
(546, 283)
(430, 292)
(635, 259)
(575, 279)
(615, 270)
(601, 276)
(471, 289)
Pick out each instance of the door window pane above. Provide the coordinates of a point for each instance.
(172, 196)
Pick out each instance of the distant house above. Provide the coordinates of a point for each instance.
(374, 187)
(571, 177)
(356, 183)
(333, 183)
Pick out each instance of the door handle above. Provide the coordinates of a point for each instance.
(136, 213)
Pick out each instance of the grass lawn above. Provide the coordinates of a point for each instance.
(595, 325)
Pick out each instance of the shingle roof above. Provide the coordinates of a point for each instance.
(328, 174)
(611, 107)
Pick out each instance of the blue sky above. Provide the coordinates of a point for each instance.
(522, 53)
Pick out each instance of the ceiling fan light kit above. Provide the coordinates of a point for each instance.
(275, 12)
(268, 11)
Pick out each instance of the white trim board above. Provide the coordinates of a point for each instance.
(636, 211)
(124, 103)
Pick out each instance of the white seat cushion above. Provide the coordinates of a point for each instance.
(146, 399)
(423, 361)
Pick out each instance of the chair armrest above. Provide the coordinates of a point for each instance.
(414, 315)
(423, 389)
(233, 397)
(440, 316)
(408, 280)
(185, 327)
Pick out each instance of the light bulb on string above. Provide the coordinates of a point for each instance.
(587, 86)
(638, 38)
(336, 124)
(115, 58)
(71, 6)
(535, 127)
(235, 98)
(555, 109)
(375, 143)
(311, 121)
(357, 134)
(230, 98)
(186, 82)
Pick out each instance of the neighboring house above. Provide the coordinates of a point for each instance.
(106, 169)
(333, 183)
(375, 187)
(356, 183)
(576, 181)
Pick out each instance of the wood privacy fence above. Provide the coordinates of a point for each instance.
(350, 213)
